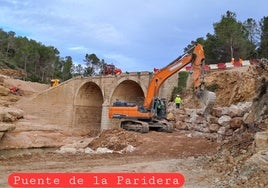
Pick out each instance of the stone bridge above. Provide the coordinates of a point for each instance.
(81, 105)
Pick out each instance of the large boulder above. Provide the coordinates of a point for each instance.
(32, 139)
(8, 114)
(4, 127)
(261, 141)
(224, 120)
(236, 122)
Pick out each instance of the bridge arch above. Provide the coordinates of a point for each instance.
(88, 108)
(128, 90)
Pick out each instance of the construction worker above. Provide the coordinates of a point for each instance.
(178, 101)
(159, 108)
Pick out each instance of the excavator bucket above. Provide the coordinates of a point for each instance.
(207, 100)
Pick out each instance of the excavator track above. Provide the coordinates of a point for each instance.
(161, 126)
(135, 125)
(145, 127)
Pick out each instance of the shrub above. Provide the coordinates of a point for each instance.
(183, 76)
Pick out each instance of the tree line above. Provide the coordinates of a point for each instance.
(40, 63)
(231, 39)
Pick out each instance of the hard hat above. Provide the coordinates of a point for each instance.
(178, 95)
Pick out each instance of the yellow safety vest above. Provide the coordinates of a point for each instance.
(177, 100)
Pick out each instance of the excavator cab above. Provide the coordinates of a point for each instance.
(159, 108)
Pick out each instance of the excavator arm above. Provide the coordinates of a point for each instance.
(196, 57)
(162, 75)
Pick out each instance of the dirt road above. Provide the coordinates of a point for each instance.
(183, 152)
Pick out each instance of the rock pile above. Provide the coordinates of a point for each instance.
(224, 121)
(258, 115)
(244, 128)
(116, 139)
(228, 120)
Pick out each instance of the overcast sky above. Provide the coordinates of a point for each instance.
(135, 35)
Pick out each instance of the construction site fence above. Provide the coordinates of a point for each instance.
(225, 65)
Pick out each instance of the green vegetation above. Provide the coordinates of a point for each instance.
(234, 39)
(183, 76)
(41, 63)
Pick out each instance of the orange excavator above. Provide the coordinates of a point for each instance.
(151, 115)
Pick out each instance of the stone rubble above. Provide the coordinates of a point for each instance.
(224, 121)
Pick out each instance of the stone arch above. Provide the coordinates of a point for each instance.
(88, 109)
(128, 90)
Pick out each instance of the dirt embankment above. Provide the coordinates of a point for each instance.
(231, 87)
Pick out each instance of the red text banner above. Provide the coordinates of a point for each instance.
(95, 180)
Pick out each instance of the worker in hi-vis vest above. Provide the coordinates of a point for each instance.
(178, 101)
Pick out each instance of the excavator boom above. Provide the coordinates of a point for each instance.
(197, 58)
